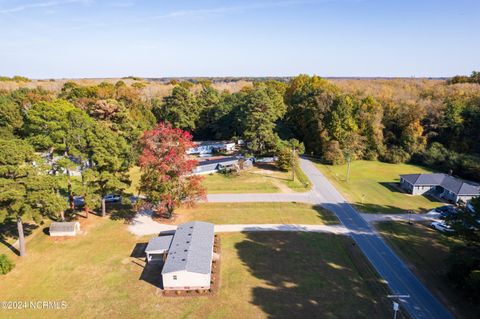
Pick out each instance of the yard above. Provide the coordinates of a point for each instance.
(264, 275)
(371, 187)
(256, 213)
(262, 178)
(425, 250)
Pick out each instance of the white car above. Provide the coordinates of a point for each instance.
(441, 227)
(112, 198)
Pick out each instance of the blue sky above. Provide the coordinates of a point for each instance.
(107, 38)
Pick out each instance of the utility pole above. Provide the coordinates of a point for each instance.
(348, 167)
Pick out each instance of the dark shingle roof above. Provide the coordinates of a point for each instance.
(450, 183)
(191, 248)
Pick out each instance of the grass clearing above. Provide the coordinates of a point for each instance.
(257, 213)
(426, 250)
(262, 178)
(264, 275)
(371, 187)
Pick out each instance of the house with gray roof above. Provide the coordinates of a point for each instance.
(209, 166)
(444, 185)
(189, 260)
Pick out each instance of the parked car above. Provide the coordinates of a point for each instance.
(112, 198)
(441, 226)
(78, 201)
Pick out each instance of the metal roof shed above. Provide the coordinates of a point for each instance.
(64, 229)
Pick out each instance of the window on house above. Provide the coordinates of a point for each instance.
(174, 277)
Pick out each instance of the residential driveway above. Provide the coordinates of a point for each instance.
(421, 303)
(143, 225)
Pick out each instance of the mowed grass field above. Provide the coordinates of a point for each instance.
(371, 187)
(263, 275)
(426, 250)
(263, 178)
(256, 213)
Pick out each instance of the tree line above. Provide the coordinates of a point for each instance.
(99, 128)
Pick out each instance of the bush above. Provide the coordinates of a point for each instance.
(333, 154)
(395, 155)
(6, 265)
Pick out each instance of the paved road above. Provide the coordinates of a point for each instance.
(421, 304)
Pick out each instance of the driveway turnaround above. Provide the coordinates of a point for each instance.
(401, 281)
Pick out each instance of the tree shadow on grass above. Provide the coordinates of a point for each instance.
(311, 275)
(327, 217)
(9, 233)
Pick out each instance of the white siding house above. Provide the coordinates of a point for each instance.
(189, 259)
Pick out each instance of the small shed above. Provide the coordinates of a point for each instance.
(157, 248)
(64, 229)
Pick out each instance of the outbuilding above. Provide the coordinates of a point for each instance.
(58, 229)
(189, 260)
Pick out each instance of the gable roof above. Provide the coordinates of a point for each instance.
(450, 183)
(191, 248)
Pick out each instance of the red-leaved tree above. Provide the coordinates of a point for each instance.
(167, 178)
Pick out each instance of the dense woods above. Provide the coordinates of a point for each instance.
(433, 122)
(98, 127)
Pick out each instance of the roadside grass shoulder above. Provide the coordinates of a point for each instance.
(425, 251)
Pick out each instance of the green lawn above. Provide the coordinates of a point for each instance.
(425, 250)
(257, 213)
(371, 187)
(263, 178)
(263, 275)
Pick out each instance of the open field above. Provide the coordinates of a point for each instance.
(257, 213)
(264, 178)
(263, 275)
(425, 250)
(370, 187)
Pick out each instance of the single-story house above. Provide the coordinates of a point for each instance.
(214, 165)
(209, 147)
(157, 248)
(64, 229)
(446, 186)
(189, 260)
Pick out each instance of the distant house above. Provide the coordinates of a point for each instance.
(209, 147)
(214, 165)
(157, 248)
(443, 185)
(189, 260)
(58, 229)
